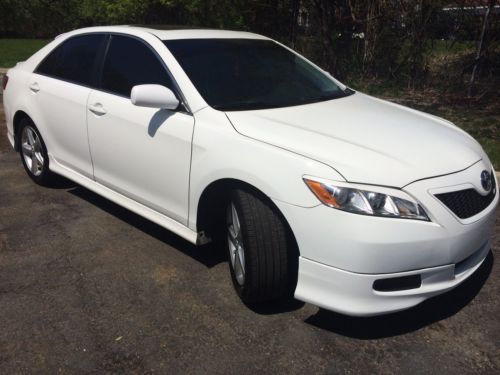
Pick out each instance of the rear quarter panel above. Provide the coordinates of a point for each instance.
(13, 96)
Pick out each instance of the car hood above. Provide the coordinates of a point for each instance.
(367, 140)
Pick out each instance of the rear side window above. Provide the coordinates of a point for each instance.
(129, 62)
(47, 66)
(74, 60)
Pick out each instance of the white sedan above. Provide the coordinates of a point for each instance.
(343, 200)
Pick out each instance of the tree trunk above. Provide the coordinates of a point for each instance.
(294, 22)
(479, 50)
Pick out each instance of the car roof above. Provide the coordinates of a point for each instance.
(173, 32)
(200, 34)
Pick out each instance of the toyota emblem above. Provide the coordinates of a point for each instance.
(486, 180)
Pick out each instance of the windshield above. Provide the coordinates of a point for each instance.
(245, 74)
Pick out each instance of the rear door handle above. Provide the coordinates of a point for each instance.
(97, 109)
(34, 87)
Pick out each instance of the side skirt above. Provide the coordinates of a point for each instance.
(140, 209)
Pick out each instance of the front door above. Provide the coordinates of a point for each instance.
(142, 153)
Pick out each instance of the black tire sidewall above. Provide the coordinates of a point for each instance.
(270, 249)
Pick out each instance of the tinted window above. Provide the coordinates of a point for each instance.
(244, 74)
(47, 65)
(74, 60)
(129, 62)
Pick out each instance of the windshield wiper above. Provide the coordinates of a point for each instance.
(324, 98)
(255, 104)
(247, 105)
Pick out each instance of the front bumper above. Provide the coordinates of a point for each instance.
(342, 254)
(353, 293)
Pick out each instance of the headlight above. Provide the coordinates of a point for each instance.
(360, 201)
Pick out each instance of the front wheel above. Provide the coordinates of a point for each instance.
(263, 256)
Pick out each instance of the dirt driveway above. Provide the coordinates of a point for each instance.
(87, 286)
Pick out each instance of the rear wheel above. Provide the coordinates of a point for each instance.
(262, 253)
(34, 153)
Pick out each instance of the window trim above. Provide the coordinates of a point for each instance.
(97, 69)
(183, 105)
(94, 67)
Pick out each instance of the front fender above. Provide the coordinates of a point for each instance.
(219, 152)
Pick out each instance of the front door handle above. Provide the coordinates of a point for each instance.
(34, 87)
(97, 109)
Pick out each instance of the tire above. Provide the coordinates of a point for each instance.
(262, 253)
(34, 153)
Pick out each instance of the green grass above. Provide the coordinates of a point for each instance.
(447, 47)
(15, 50)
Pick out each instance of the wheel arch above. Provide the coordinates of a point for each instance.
(211, 219)
(212, 202)
(16, 122)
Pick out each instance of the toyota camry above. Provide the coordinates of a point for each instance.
(315, 190)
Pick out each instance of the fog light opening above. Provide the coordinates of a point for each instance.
(395, 284)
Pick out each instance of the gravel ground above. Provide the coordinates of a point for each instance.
(89, 287)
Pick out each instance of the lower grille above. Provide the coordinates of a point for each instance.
(467, 203)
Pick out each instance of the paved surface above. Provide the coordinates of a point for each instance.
(86, 287)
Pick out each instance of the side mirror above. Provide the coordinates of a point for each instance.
(154, 96)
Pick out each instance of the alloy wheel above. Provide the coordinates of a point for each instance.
(234, 239)
(31, 148)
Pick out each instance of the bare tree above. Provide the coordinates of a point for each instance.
(479, 50)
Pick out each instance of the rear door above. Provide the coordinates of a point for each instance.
(143, 153)
(60, 87)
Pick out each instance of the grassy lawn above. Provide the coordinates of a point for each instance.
(443, 48)
(15, 50)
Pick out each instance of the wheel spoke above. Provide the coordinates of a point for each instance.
(236, 250)
(231, 242)
(232, 233)
(238, 267)
(232, 256)
(31, 136)
(36, 145)
(27, 149)
(236, 221)
(34, 164)
(39, 158)
(241, 260)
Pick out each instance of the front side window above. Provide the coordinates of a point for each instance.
(74, 60)
(128, 63)
(245, 74)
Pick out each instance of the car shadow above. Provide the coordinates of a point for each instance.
(208, 255)
(157, 120)
(277, 307)
(424, 314)
(60, 182)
